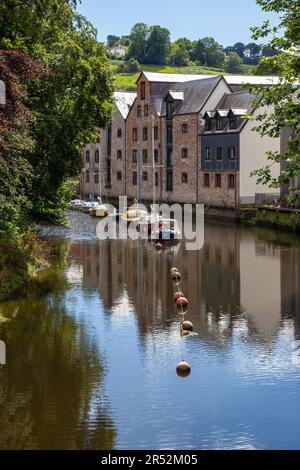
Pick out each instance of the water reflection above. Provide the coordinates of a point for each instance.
(237, 281)
(91, 356)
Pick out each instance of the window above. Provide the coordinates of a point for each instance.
(97, 156)
(156, 155)
(169, 180)
(231, 181)
(145, 176)
(218, 180)
(134, 156)
(119, 175)
(155, 133)
(139, 111)
(134, 178)
(145, 133)
(143, 90)
(219, 153)
(184, 153)
(219, 124)
(169, 157)
(232, 122)
(208, 124)
(231, 153)
(169, 135)
(146, 110)
(184, 128)
(87, 156)
(170, 109)
(87, 176)
(207, 153)
(156, 179)
(184, 178)
(119, 154)
(206, 180)
(108, 170)
(96, 178)
(119, 132)
(145, 156)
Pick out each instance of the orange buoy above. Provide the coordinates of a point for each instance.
(183, 369)
(177, 296)
(187, 326)
(158, 247)
(182, 302)
(176, 276)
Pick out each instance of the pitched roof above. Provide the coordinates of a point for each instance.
(251, 80)
(195, 94)
(124, 101)
(172, 77)
(241, 100)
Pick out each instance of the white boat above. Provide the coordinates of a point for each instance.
(99, 209)
(77, 204)
(87, 206)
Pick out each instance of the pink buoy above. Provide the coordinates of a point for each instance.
(183, 369)
(187, 326)
(177, 296)
(158, 247)
(182, 302)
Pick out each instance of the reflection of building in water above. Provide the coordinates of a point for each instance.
(260, 284)
(237, 282)
(290, 286)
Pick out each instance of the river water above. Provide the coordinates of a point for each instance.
(92, 348)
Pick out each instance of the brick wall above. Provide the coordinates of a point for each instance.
(219, 197)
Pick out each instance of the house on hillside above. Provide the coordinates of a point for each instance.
(118, 51)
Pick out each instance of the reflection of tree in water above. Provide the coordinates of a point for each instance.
(52, 378)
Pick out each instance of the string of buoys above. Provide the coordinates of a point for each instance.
(183, 368)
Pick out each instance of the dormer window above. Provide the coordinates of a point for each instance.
(208, 124)
(219, 124)
(232, 122)
(170, 109)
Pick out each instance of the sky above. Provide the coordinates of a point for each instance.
(227, 21)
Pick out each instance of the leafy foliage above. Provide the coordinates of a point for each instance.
(284, 99)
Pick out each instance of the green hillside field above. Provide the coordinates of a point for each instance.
(127, 81)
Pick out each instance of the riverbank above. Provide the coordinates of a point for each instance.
(22, 256)
(277, 219)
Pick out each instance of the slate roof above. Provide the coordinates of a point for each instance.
(239, 100)
(239, 104)
(195, 95)
(124, 101)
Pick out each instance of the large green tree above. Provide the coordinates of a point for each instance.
(284, 99)
(138, 42)
(158, 45)
(68, 103)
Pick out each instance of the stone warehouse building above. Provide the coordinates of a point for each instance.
(105, 161)
(184, 137)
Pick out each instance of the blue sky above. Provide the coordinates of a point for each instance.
(228, 21)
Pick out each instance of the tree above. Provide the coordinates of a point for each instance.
(198, 52)
(158, 45)
(251, 53)
(284, 98)
(215, 57)
(239, 48)
(111, 40)
(234, 63)
(70, 102)
(179, 54)
(138, 42)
